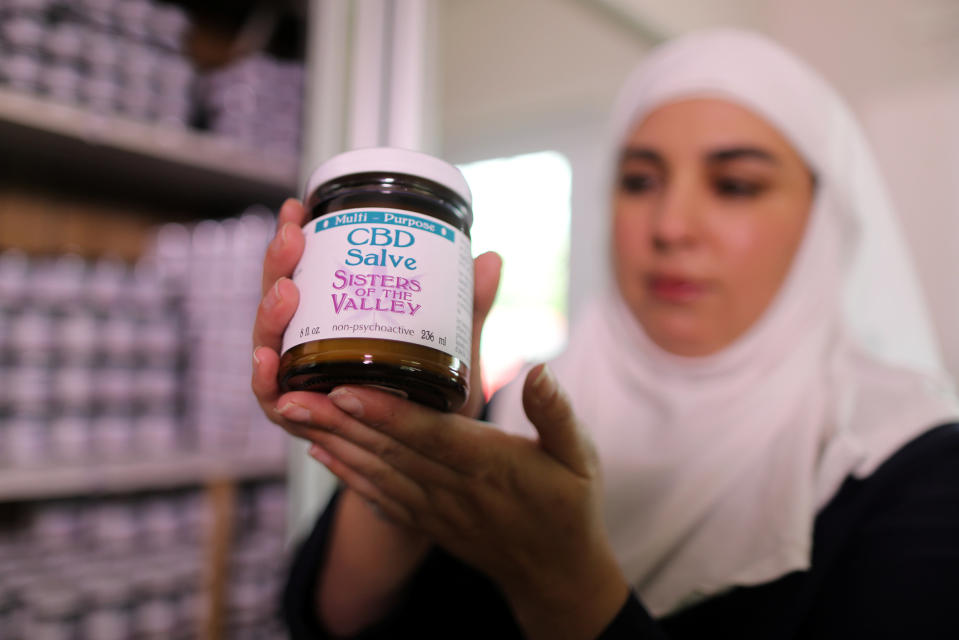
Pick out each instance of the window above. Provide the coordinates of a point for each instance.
(521, 207)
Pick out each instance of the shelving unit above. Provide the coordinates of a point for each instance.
(166, 166)
(62, 167)
(101, 185)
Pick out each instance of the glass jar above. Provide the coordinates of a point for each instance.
(109, 604)
(386, 279)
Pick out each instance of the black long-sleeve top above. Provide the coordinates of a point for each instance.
(885, 564)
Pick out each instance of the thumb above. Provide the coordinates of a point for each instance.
(487, 269)
(547, 407)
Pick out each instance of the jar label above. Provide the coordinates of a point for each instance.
(387, 274)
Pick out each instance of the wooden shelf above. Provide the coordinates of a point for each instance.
(32, 483)
(59, 143)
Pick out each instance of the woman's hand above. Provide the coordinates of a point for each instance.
(525, 512)
(370, 558)
(281, 297)
(277, 306)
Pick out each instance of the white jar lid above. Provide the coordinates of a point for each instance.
(391, 160)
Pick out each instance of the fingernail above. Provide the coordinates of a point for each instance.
(256, 360)
(319, 454)
(284, 233)
(289, 202)
(273, 296)
(347, 401)
(545, 383)
(294, 412)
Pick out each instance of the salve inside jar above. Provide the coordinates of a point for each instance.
(386, 279)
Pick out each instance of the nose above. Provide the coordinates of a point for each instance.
(675, 222)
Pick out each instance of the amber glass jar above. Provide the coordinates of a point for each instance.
(386, 279)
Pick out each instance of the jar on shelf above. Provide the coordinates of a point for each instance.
(70, 438)
(14, 275)
(63, 43)
(77, 336)
(23, 33)
(112, 437)
(114, 526)
(154, 612)
(109, 613)
(27, 441)
(53, 612)
(157, 435)
(21, 71)
(31, 337)
(159, 522)
(55, 528)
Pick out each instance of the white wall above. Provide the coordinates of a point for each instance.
(897, 64)
(531, 75)
(915, 131)
(510, 62)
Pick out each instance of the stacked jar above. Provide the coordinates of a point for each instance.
(111, 56)
(256, 101)
(216, 263)
(133, 566)
(91, 361)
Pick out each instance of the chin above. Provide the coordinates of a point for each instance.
(683, 346)
(681, 336)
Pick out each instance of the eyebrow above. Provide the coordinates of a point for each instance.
(713, 157)
(735, 153)
(644, 153)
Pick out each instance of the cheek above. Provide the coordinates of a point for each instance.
(745, 243)
(630, 241)
(759, 253)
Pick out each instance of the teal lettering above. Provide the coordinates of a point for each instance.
(352, 240)
(356, 257)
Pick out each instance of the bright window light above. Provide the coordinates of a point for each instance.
(521, 211)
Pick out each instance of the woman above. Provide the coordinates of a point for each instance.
(760, 393)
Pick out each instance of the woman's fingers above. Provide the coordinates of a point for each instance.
(279, 301)
(369, 492)
(486, 273)
(266, 364)
(451, 440)
(274, 313)
(285, 249)
(547, 407)
(364, 448)
(292, 210)
(411, 488)
(365, 473)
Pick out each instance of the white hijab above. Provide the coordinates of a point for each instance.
(714, 468)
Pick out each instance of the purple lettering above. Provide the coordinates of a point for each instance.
(344, 302)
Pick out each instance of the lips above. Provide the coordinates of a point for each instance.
(675, 288)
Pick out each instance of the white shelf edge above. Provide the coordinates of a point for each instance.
(31, 483)
(179, 146)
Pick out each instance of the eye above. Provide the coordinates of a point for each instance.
(637, 183)
(738, 188)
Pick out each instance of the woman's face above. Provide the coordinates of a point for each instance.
(709, 209)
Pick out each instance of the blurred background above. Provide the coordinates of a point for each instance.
(145, 146)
